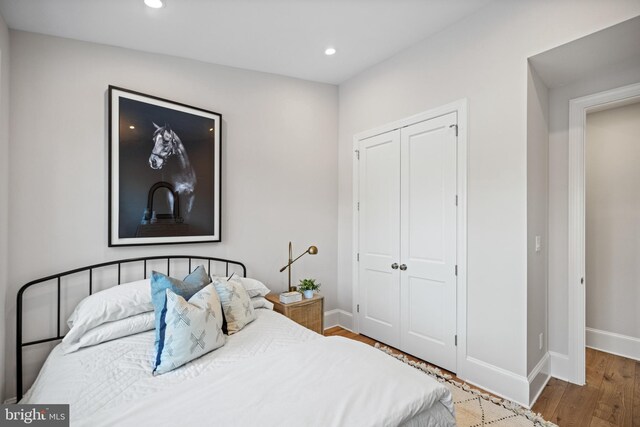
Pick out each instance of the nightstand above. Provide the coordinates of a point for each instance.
(308, 312)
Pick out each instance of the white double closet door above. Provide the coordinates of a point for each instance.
(407, 239)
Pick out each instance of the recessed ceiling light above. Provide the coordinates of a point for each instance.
(132, 127)
(329, 51)
(155, 4)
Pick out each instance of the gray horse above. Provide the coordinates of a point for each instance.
(166, 144)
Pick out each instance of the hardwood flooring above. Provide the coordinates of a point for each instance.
(610, 398)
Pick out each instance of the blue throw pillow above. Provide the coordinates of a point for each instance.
(186, 288)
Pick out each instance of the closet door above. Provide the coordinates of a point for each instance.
(428, 240)
(379, 238)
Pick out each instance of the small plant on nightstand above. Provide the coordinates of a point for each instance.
(308, 287)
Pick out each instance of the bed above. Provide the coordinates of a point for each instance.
(272, 372)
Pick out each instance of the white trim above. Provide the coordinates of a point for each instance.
(331, 319)
(498, 381)
(538, 379)
(338, 317)
(345, 320)
(578, 109)
(611, 342)
(11, 401)
(559, 365)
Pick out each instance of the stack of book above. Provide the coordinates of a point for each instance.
(289, 297)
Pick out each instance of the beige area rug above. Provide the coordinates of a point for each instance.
(474, 408)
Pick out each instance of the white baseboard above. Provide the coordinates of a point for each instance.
(495, 380)
(559, 365)
(338, 317)
(610, 342)
(538, 378)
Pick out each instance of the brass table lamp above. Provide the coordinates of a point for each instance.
(312, 251)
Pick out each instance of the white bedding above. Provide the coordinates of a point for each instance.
(105, 379)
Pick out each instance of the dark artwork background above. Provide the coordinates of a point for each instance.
(137, 177)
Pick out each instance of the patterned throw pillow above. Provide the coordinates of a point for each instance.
(237, 306)
(193, 328)
(186, 288)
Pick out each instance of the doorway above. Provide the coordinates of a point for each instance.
(580, 108)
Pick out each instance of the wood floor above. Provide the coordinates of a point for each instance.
(610, 398)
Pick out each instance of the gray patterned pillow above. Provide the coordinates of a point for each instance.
(237, 306)
(193, 328)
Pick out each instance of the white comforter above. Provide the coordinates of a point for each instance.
(103, 380)
(328, 382)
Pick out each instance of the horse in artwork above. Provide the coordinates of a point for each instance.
(167, 145)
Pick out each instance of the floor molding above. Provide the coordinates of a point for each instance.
(338, 317)
(538, 378)
(559, 365)
(610, 342)
(496, 380)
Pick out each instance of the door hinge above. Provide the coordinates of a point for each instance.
(456, 269)
(456, 127)
(358, 257)
(358, 205)
(358, 308)
(456, 200)
(456, 340)
(358, 154)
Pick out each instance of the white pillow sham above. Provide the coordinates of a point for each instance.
(261, 302)
(254, 288)
(113, 330)
(115, 303)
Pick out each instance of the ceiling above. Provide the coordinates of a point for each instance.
(285, 37)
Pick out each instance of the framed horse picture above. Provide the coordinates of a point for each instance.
(164, 171)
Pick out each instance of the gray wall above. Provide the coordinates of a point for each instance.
(537, 215)
(612, 221)
(279, 162)
(482, 58)
(4, 187)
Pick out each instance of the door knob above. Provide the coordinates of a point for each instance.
(403, 267)
(394, 265)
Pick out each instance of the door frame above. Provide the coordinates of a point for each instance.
(460, 107)
(578, 110)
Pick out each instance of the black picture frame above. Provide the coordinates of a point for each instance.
(165, 171)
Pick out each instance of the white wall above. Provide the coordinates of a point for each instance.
(482, 58)
(612, 220)
(4, 187)
(616, 75)
(537, 216)
(279, 161)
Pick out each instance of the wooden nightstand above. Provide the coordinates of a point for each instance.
(308, 312)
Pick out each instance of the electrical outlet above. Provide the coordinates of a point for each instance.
(541, 337)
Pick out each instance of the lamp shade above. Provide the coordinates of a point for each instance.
(312, 250)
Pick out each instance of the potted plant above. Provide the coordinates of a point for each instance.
(308, 287)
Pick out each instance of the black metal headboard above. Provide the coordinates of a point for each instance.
(57, 278)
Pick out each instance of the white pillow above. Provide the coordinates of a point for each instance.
(116, 303)
(113, 330)
(254, 288)
(261, 302)
(236, 304)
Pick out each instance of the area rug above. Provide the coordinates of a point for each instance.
(474, 408)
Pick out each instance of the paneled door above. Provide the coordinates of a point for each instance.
(428, 240)
(379, 237)
(407, 239)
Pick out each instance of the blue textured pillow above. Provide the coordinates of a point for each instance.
(186, 288)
